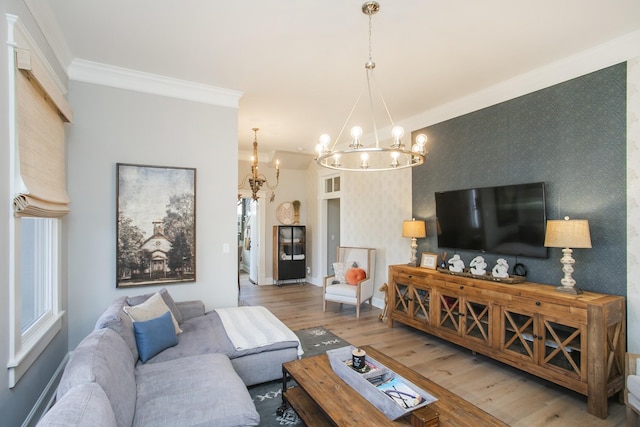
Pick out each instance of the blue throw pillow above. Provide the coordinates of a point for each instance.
(155, 335)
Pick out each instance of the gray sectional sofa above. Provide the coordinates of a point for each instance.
(201, 381)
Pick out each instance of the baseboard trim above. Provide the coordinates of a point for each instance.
(47, 397)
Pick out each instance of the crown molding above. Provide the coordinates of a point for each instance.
(108, 75)
(588, 61)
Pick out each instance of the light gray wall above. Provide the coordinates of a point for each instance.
(119, 126)
(16, 403)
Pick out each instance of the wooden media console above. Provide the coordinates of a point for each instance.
(576, 341)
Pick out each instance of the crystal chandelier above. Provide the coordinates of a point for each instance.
(358, 157)
(255, 179)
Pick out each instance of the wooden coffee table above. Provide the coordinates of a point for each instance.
(323, 399)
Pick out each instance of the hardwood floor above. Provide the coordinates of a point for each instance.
(515, 397)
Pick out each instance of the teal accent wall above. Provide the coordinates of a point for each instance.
(572, 136)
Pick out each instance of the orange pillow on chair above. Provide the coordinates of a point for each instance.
(355, 275)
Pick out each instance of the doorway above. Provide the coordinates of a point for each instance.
(251, 220)
(333, 232)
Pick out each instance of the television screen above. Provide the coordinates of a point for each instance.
(507, 220)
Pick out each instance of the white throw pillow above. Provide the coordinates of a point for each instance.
(340, 271)
(150, 309)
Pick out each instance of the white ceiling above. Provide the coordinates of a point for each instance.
(300, 63)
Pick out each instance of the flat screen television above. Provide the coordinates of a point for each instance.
(506, 220)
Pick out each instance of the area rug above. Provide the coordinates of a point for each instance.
(268, 397)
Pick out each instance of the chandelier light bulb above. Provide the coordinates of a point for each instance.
(336, 159)
(325, 139)
(365, 160)
(397, 132)
(421, 140)
(394, 157)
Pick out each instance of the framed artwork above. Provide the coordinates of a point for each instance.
(155, 225)
(429, 260)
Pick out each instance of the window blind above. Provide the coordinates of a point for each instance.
(41, 165)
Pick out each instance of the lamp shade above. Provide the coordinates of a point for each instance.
(567, 233)
(413, 228)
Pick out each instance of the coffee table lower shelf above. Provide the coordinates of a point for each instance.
(306, 408)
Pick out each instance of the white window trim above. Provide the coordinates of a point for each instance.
(25, 349)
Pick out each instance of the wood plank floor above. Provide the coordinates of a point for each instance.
(515, 397)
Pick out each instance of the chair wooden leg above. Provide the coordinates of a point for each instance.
(357, 311)
(324, 305)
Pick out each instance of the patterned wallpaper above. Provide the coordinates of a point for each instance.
(373, 205)
(633, 202)
(572, 136)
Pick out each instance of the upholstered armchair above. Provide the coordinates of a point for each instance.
(632, 389)
(353, 279)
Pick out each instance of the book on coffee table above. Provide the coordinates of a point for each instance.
(400, 393)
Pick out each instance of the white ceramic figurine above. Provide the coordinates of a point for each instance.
(478, 266)
(456, 264)
(501, 269)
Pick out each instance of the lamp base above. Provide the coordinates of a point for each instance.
(569, 290)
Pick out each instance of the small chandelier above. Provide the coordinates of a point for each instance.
(358, 157)
(255, 179)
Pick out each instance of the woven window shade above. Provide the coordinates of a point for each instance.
(42, 191)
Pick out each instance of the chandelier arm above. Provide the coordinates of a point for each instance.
(384, 103)
(244, 180)
(264, 179)
(344, 125)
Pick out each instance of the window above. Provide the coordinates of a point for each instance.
(37, 272)
(332, 185)
(37, 112)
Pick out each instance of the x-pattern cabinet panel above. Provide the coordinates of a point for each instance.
(576, 341)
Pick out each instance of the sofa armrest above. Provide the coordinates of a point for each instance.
(191, 309)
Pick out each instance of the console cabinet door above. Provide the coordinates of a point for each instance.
(466, 316)
(412, 302)
(563, 348)
(402, 300)
(518, 334)
(448, 311)
(420, 304)
(476, 324)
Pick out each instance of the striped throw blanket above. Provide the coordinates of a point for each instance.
(254, 326)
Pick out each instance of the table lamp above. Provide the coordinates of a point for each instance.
(414, 229)
(566, 234)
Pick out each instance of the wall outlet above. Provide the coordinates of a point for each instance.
(308, 270)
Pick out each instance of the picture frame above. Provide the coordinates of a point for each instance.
(155, 225)
(429, 260)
